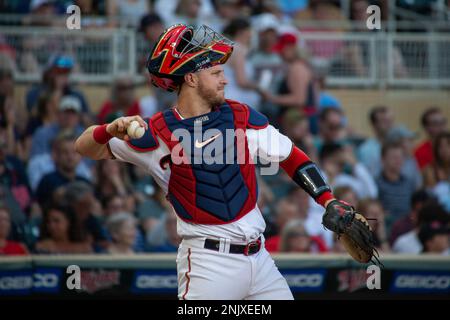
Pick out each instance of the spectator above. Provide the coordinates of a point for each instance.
(123, 230)
(93, 13)
(342, 169)
(172, 239)
(347, 194)
(123, 102)
(66, 160)
(296, 126)
(291, 8)
(297, 89)
(286, 210)
(410, 242)
(42, 12)
(8, 247)
(191, 12)
(395, 189)
(360, 50)
(381, 119)
(404, 138)
(437, 174)
(6, 81)
(13, 177)
(126, 12)
(68, 119)
(225, 11)
(151, 200)
(311, 213)
(61, 233)
(45, 113)
(56, 78)
(374, 213)
(44, 163)
(238, 71)
(7, 126)
(332, 127)
(112, 205)
(112, 179)
(150, 28)
(267, 64)
(326, 99)
(80, 196)
(434, 238)
(407, 223)
(295, 239)
(434, 122)
(184, 11)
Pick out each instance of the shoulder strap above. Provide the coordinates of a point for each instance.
(162, 130)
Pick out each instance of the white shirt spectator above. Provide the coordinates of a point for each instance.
(408, 243)
(313, 223)
(361, 182)
(42, 164)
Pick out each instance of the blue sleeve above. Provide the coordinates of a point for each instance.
(256, 120)
(148, 142)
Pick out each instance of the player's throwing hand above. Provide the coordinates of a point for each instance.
(118, 128)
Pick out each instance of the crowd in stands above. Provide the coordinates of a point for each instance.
(53, 201)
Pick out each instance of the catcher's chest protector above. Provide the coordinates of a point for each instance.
(214, 193)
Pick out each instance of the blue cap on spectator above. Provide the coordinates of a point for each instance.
(35, 4)
(61, 62)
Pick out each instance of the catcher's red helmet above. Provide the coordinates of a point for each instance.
(182, 49)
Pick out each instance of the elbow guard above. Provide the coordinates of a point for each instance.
(307, 175)
(310, 179)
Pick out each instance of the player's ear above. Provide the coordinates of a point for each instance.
(191, 80)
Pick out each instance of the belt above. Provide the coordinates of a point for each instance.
(245, 249)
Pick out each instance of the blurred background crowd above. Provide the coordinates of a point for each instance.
(53, 201)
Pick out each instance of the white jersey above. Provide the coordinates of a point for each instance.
(268, 143)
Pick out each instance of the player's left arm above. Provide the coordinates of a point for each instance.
(272, 146)
(339, 217)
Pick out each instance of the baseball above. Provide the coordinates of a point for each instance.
(134, 130)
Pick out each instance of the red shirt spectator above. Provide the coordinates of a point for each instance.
(8, 247)
(424, 154)
(13, 248)
(434, 123)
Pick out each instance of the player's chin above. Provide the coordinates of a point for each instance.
(221, 95)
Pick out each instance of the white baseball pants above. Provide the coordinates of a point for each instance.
(205, 274)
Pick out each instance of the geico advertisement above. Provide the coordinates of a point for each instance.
(43, 280)
(145, 281)
(420, 281)
(307, 280)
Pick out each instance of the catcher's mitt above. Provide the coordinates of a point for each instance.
(352, 229)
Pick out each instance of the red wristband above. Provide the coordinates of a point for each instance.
(101, 136)
(324, 197)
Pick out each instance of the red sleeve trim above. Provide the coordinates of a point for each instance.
(295, 159)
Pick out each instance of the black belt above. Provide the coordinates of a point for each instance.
(245, 249)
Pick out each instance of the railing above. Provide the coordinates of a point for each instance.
(350, 59)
